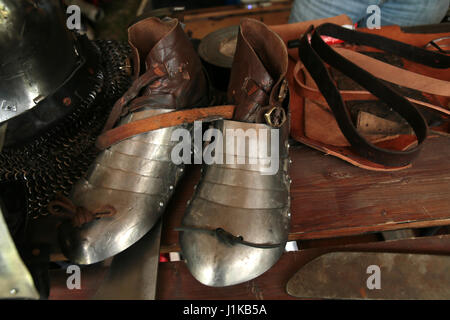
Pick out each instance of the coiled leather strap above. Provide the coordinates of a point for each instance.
(315, 53)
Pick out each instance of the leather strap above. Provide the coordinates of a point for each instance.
(314, 55)
(348, 95)
(396, 75)
(64, 208)
(144, 80)
(112, 136)
(228, 238)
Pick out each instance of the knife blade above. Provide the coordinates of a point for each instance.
(370, 275)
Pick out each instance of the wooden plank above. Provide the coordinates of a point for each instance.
(91, 279)
(331, 198)
(359, 201)
(200, 23)
(201, 28)
(176, 283)
(235, 10)
(425, 245)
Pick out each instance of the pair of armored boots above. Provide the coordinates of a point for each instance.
(236, 226)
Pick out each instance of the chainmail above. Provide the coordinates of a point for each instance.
(54, 161)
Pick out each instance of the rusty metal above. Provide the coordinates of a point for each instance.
(346, 275)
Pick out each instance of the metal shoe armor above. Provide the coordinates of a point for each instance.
(237, 223)
(136, 176)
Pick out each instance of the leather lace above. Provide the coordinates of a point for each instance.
(228, 238)
(64, 208)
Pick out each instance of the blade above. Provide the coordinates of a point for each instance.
(352, 275)
(133, 272)
(15, 280)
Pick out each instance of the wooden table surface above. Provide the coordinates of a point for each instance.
(176, 283)
(331, 198)
(199, 23)
(335, 207)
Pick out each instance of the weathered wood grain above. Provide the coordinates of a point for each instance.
(331, 198)
(202, 22)
(176, 283)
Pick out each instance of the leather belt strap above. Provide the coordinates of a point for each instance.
(130, 102)
(164, 120)
(313, 93)
(396, 75)
(314, 55)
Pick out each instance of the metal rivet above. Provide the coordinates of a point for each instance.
(289, 214)
(161, 204)
(290, 161)
(181, 170)
(171, 187)
(13, 291)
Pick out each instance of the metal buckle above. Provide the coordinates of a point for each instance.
(283, 90)
(273, 121)
(273, 115)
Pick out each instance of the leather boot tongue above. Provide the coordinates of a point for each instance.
(143, 36)
(250, 82)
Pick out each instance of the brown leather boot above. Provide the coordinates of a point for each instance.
(131, 182)
(164, 49)
(237, 223)
(167, 71)
(257, 81)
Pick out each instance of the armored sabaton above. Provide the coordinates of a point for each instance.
(244, 195)
(135, 177)
(236, 226)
